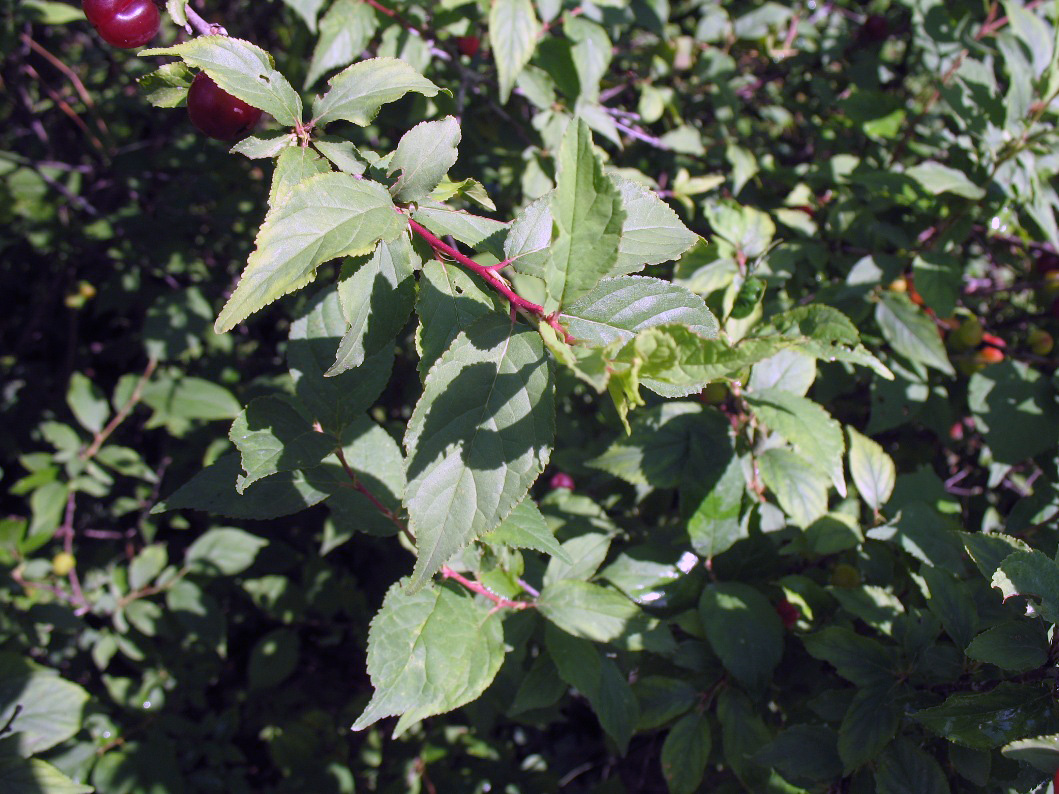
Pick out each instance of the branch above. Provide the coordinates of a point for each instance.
(123, 414)
(494, 281)
(201, 26)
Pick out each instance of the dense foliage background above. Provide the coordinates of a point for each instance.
(826, 579)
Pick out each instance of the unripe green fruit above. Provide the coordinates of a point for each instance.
(62, 563)
(845, 575)
(714, 393)
(1040, 341)
(968, 335)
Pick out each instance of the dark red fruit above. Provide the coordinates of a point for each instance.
(788, 613)
(875, 29)
(216, 112)
(468, 45)
(124, 23)
(563, 480)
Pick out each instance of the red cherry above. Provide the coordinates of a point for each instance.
(124, 23)
(468, 45)
(563, 480)
(216, 112)
(788, 613)
(875, 29)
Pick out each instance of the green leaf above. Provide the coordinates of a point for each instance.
(472, 230)
(1031, 574)
(190, 398)
(178, 11)
(334, 402)
(989, 550)
(223, 552)
(1016, 645)
(869, 724)
(800, 488)
(376, 301)
(592, 612)
(657, 450)
(322, 218)
(873, 471)
(662, 699)
(812, 432)
(1015, 408)
(803, 754)
(264, 147)
(685, 752)
(167, 86)
(357, 92)
(617, 308)
(471, 460)
(905, 769)
(583, 231)
(272, 659)
(50, 710)
(88, 403)
(33, 776)
(513, 29)
(936, 178)
(1041, 752)
(308, 10)
(525, 528)
(585, 554)
(598, 678)
(827, 334)
(743, 733)
(423, 156)
(429, 651)
(788, 370)
(450, 301)
(146, 565)
(48, 12)
(951, 603)
(715, 526)
(199, 615)
(345, 30)
(272, 436)
(243, 70)
(858, 659)
(743, 630)
(212, 490)
(651, 232)
(910, 332)
(988, 720)
(295, 165)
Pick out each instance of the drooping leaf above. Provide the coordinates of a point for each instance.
(357, 92)
(272, 436)
(513, 29)
(212, 490)
(334, 402)
(599, 679)
(424, 155)
(800, 488)
(744, 630)
(809, 428)
(345, 30)
(376, 301)
(450, 301)
(243, 70)
(911, 332)
(873, 471)
(323, 217)
(470, 461)
(429, 651)
(685, 752)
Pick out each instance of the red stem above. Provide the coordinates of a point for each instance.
(480, 589)
(490, 277)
